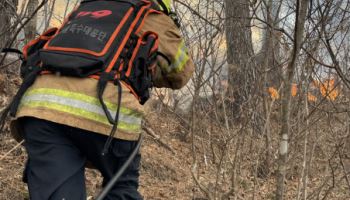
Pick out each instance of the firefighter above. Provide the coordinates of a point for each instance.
(64, 127)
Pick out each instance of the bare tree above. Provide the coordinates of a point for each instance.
(300, 18)
(239, 52)
(30, 29)
(7, 10)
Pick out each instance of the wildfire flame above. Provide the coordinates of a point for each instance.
(294, 90)
(311, 97)
(327, 89)
(274, 93)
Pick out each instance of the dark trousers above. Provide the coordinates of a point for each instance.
(57, 156)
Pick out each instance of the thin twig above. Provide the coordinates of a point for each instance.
(20, 28)
(199, 15)
(14, 148)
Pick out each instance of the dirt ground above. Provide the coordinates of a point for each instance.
(164, 175)
(165, 170)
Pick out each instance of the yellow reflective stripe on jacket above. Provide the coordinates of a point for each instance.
(167, 3)
(81, 105)
(180, 60)
(81, 97)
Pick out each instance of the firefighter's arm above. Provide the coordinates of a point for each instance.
(174, 64)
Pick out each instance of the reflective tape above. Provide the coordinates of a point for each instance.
(181, 59)
(81, 105)
(167, 4)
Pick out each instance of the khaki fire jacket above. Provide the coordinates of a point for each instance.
(73, 101)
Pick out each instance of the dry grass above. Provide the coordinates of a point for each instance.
(163, 175)
(167, 176)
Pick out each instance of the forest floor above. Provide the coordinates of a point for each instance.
(165, 168)
(164, 175)
(167, 162)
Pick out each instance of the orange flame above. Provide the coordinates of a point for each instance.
(328, 90)
(294, 90)
(274, 93)
(311, 97)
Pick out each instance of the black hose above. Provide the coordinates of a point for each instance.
(115, 178)
(12, 50)
(116, 120)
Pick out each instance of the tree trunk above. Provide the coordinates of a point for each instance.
(6, 12)
(239, 52)
(301, 10)
(30, 28)
(266, 61)
(269, 55)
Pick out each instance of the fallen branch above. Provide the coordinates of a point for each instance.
(14, 148)
(150, 132)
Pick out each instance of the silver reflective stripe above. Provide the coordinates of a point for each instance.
(80, 105)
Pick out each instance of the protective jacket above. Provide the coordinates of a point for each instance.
(73, 101)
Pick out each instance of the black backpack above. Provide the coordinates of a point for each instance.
(100, 39)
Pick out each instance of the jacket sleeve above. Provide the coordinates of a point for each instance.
(174, 64)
